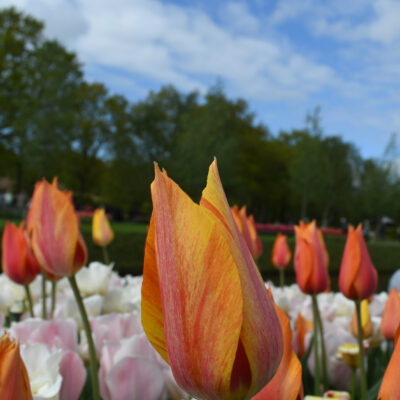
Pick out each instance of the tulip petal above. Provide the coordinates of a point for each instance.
(261, 334)
(74, 376)
(287, 382)
(390, 387)
(152, 315)
(201, 294)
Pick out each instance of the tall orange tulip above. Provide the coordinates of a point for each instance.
(56, 241)
(310, 259)
(101, 230)
(14, 381)
(280, 252)
(391, 315)
(19, 263)
(204, 305)
(357, 277)
(287, 382)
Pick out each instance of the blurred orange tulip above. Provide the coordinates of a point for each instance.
(280, 252)
(56, 240)
(310, 259)
(14, 380)
(302, 328)
(204, 304)
(101, 230)
(287, 383)
(390, 387)
(19, 263)
(391, 315)
(357, 277)
(247, 228)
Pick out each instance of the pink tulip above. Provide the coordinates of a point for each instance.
(74, 376)
(61, 334)
(123, 326)
(131, 369)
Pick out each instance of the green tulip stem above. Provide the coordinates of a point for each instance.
(282, 277)
(323, 349)
(317, 383)
(363, 380)
(92, 352)
(53, 298)
(353, 383)
(29, 298)
(105, 255)
(44, 313)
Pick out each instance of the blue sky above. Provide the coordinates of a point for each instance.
(284, 57)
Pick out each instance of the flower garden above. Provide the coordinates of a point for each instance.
(200, 322)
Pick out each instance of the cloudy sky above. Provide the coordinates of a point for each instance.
(283, 56)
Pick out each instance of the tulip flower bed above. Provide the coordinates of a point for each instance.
(200, 322)
(127, 251)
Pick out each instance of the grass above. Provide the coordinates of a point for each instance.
(127, 251)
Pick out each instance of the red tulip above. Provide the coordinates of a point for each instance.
(19, 263)
(280, 252)
(357, 277)
(56, 241)
(204, 304)
(310, 259)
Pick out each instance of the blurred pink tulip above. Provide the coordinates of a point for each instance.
(123, 326)
(131, 369)
(74, 376)
(60, 334)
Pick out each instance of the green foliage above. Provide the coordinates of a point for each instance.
(102, 147)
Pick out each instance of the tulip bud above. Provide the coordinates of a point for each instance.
(280, 252)
(204, 304)
(101, 230)
(391, 315)
(357, 277)
(19, 263)
(366, 323)
(311, 259)
(56, 241)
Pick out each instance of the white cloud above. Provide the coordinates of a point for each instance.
(184, 46)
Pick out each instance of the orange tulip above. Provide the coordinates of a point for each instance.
(287, 382)
(391, 315)
(310, 259)
(366, 323)
(280, 252)
(204, 305)
(101, 230)
(302, 328)
(247, 228)
(14, 381)
(390, 387)
(357, 277)
(19, 263)
(56, 241)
